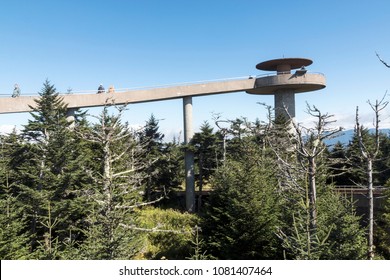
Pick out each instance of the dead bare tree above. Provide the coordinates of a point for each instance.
(299, 167)
(308, 143)
(118, 185)
(312, 148)
(370, 154)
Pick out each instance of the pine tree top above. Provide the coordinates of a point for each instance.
(49, 113)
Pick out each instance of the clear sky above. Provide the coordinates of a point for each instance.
(80, 44)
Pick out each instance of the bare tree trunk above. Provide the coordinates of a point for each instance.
(107, 172)
(107, 191)
(312, 195)
(299, 174)
(224, 149)
(370, 155)
(371, 211)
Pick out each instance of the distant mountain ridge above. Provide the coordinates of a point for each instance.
(346, 136)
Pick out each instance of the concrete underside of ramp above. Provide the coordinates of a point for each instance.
(23, 103)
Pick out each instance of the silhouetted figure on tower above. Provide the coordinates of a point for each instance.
(100, 89)
(111, 89)
(16, 91)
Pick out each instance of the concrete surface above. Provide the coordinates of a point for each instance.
(22, 103)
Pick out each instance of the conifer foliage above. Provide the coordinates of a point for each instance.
(14, 236)
(116, 190)
(46, 167)
(243, 212)
(93, 188)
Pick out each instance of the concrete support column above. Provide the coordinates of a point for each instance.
(70, 113)
(189, 156)
(285, 105)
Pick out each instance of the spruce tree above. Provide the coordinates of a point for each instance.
(356, 168)
(164, 161)
(207, 151)
(208, 154)
(382, 230)
(338, 165)
(243, 211)
(49, 176)
(14, 235)
(152, 139)
(347, 238)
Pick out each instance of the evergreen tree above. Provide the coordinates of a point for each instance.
(339, 235)
(243, 211)
(347, 238)
(356, 168)
(48, 170)
(151, 136)
(152, 139)
(382, 230)
(164, 161)
(170, 167)
(13, 224)
(382, 164)
(207, 152)
(338, 166)
(237, 131)
(168, 233)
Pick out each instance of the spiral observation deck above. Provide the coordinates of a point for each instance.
(287, 81)
(283, 86)
(284, 83)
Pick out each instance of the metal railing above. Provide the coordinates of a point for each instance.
(285, 73)
(119, 90)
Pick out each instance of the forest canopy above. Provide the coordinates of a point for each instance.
(71, 188)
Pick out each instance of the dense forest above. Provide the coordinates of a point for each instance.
(73, 188)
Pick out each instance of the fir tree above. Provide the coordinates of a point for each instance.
(164, 161)
(382, 237)
(152, 139)
(338, 165)
(49, 176)
(207, 151)
(243, 212)
(14, 237)
(206, 146)
(356, 168)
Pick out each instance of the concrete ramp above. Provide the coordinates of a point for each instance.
(21, 104)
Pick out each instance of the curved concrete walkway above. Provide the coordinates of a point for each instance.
(22, 103)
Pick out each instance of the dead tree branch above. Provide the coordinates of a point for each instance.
(381, 60)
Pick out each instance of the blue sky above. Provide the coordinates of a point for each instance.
(80, 44)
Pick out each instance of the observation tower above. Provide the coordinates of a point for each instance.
(285, 84)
